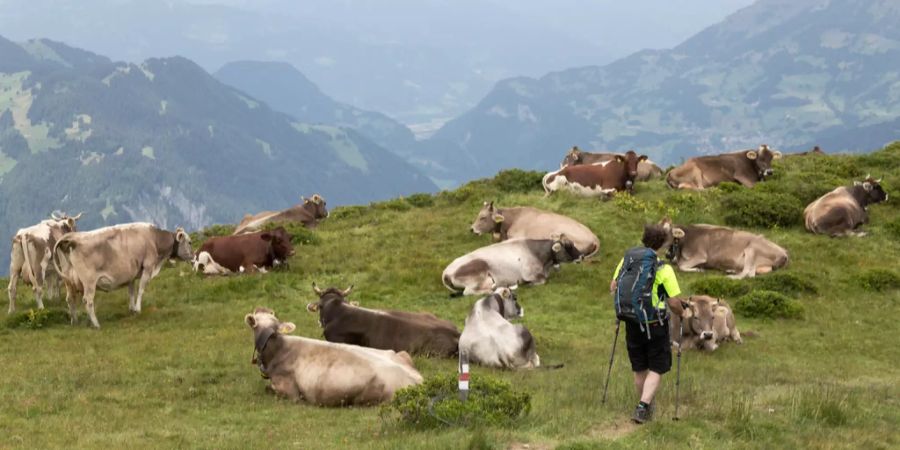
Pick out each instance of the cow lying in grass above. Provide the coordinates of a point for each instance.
(841, 211)
(250, 252)
(491, 340)
(416, 333)
(325, 373)
(707, 321)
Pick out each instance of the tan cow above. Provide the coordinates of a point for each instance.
(646, 169)
(841, 211)
(746, 167)
(693, 248)
(309, 213)
(326, 373)
(30, 258)
(113, 257)
(707, 323)
(532, 223)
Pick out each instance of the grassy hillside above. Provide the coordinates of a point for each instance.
(179, 374)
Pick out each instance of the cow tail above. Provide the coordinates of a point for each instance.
(25, 255)
(545, 181)
(59, 249)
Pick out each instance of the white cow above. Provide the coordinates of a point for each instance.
(491, 340)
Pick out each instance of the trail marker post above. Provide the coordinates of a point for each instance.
(463, 377)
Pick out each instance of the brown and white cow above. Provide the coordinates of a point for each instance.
(309, 213)
(508, 264)
(532, 223)
(746, 167)
(348, 323)
(693, 248)
(491, 340)
(30, 258)
(841, 211)
(707, 322)
(112, 257)
(598, 180)
(249, 252)
(647, 169)
(326, 373)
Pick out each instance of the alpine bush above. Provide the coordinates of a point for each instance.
(517, 180)
(720, 287)
(37, 318)
(199, 237)
(785, 283)
(435, 403)
(768, 305)
(420, 200)
(878, 280)
(300, 235)
(752, 208)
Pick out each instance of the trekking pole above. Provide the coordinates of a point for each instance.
(611, 356)
(678, 367)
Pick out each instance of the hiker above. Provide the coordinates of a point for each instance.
(641, 303)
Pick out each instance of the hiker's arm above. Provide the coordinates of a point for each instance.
(612, 284)
(675, 306)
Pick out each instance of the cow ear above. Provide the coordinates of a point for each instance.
(250, 320)
(266, 236)
(286, 327)
(557, 247)
(643, 158)
(857, 183)
(620, 159)
(776, 154)
(312, 307)
(867, 186)
(677, 233)
(497, 218)
(180, 235)
(751, 155)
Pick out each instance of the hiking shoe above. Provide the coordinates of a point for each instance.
(650, 410)
(641, 414)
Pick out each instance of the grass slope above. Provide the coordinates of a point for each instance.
(179, 374)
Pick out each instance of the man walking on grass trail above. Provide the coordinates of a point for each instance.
(642, 285)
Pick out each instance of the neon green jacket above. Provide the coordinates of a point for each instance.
(665, 276)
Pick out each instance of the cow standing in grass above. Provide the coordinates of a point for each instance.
(841, 211)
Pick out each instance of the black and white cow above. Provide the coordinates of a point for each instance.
(489, 339)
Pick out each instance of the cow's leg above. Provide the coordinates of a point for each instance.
(11, 288)
(90, 290)
(131, 295)
(736, 336)
(749, 265)
(690, 265)
(145, 278)
(70, 300)
(39, 284)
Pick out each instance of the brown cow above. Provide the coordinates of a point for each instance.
(416, 333)
(112, 257)
(325, 373)
(532, 223)
(647, 169)
(696, 247)
(746, 167)
(309, 213)
(841, 211)
(707, 323)
(30, 258)
(244, 253)
(600, 180)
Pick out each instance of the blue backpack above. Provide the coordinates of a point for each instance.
(634, 287)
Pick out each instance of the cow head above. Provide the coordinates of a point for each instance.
(573, 158)
(280, 240)
(264, 325)
(631, 161)
(671, 237)
(66, 223)
(183, 248)
(699, 312)
(488, 220)
(563, 250)
(315, 205)
(762, 160)
(871, 191)
(506, 303)
(328, 297)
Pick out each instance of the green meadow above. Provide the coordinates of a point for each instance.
(179, 374)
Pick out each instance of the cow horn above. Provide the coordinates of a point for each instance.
(55, 215)
(316, 289)
(879, 180)
(347, 291)
(304, 199)
(78, 216)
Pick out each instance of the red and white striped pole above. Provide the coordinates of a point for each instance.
(463, 377)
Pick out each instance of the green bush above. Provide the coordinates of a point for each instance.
(768, 305)
(785, 283)
(878, 280)
(346, 212)
(729, 187)
(300, 235)
(394, 204)
(420, 200)
(720, 287)
(198, 237)
(37, 318)
(435, 403)
(517, 180)
(754, 208)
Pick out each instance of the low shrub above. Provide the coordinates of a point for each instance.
(346, 212)
(785, 283)
(729, 187)
(300, 235)
(878, 280)
(198, 237)
(768, 305)
(720, 287)
(435, 403)
(517, 180)
(752, 208)
(37, 318)
(420, 200)
(395, 204)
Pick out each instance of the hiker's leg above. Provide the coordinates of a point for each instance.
(639, 378)
(650, 385)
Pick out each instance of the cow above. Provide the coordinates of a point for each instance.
(415, 333)
(693, 248)
(647, 169)
(746, 167)
(244, 253)
(841, 211)
(507, 264)
(112, 257)
(533, 223)
(326, 373)
(309, 212)
(706, 321)
(489, 339)
(30, 258)
(597, 180)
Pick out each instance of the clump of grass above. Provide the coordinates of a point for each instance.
(878, 280)
(420, 200)
(346, 212)
(37, 318)
(300, 235)
(768, 305)
(754, 208)
(396, 204)
(786, 283)
(435, 404)
(198, 237)
(823, 404)
(517, 180)
(720, 287)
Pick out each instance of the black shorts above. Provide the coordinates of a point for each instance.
(654, 354)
